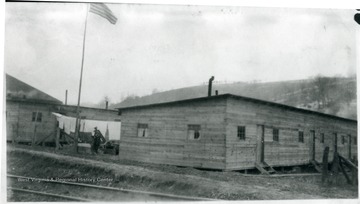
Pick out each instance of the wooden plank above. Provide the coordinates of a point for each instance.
(349, 147)
(335, 167)
(261, 169)
(349, 163)
(261, 144)
(343, 171)
(43, 139)
(316, 166)
(325, 164)
(57, 137)
(34, 135)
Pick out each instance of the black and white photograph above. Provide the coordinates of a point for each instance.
(179, 102)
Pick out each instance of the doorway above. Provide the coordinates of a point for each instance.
(260, 144)
(312, 139)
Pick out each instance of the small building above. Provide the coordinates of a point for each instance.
(29, 115)
(230, 132)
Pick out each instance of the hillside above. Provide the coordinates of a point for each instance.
(335, 95)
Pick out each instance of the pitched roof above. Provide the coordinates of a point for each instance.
(258, 101)
(18, 90)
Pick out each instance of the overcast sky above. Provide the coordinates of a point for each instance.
(167, 47)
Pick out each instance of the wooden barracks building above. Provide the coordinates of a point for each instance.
(29, 113)
(230, 132)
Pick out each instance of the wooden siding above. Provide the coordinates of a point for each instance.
(288, 150)
(21, 128)
(167, 141)
(219, 146)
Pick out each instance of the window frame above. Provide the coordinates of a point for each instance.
(343, 139)
(36, 116)
(194, 131)
(142, 128)
(241, 132)
(276, 134)
(322, 138)
(301, 137)
(354, 140)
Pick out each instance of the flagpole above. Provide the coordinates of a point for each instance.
(77, 129)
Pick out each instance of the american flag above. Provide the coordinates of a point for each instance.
(103, 11)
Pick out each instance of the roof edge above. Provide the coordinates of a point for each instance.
(236, 97)
(57, 104)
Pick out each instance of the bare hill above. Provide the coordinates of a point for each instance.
(333, 95)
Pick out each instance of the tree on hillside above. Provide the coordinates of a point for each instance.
(349, 92)
(322, 88)
(154, 91)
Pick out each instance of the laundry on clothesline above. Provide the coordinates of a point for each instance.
(109, 129)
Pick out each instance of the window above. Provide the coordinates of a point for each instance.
(322, 137)
(301, 136)
(194, 132)
(312, 136)
(143, 130)
(36, 116)
(276, 135)
(350, 139)
(241, 132)
(342, 139)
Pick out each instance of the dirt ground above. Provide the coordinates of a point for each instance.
(44, 162)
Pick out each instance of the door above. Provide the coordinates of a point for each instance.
(260, 144)
(349, 147)
(335, 142)
(312, 144)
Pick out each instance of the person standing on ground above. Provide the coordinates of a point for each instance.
(96, 140)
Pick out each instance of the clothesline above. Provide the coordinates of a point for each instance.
(110, 129)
